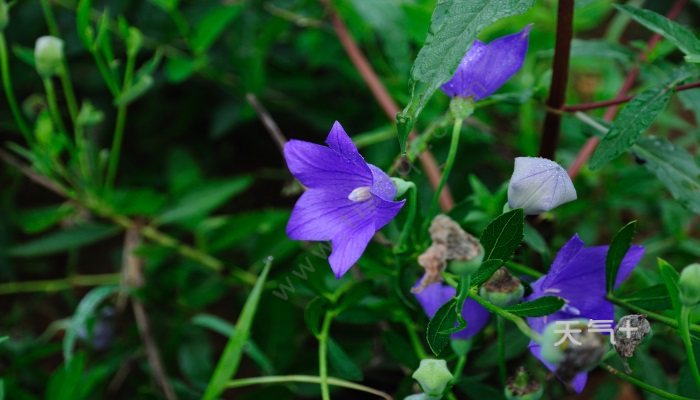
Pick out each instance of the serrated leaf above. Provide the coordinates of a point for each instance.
(313, 314)
(650, 298)
(503, 235)
(537, 308)
(674, 167)
(453, 28)
(676, 33)
(485, 271)
(64, 240)
(633, 120)
(670, 277)
(619, 246)
(341, 363)
(443, 320)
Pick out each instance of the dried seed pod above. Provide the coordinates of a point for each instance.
(522, 387)
(630, 333)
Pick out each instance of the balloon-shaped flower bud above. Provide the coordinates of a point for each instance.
(689, 285)
(402, 186)
(419, 396)
(4, 15)
(572, 347)
(522, 387)
(433, 377)
(630, 332)
(48, 56)
(539, 185)
(486, 67)
(502, 289)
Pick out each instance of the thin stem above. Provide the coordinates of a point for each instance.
(643, 385)
(621, 100)
(400, 246)
(459, 368)
(519, 322)
(500, 329)
(560, 78)
(9, 92)
(655, 316)
(413, 336)
(451, 156)
(262, 380)
(53, 105)
(322, 355)
(684, 329)
(118, 137)
(57, 285)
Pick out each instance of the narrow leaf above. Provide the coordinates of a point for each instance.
(342, 364)
(619, 246)
(503, 235)
(676, 33)
(64, 240)
(633, 120)
(228, 363)
(453, 28)
(674, 167)
(670, 277)
(313, 314)
(537, 308)
(443, 320)
(650, 298)
(212, 25)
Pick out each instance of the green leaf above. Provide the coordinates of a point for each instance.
(225, 328)
(443, 320)
(485, 271)
(65, 383)
(85, 310)
(64, 240)
(37, 220)
(650, 298)
(674, 167)
(619, 246)
(212, 25)
(454, 26)
(537, 308)
(503, 235)
(670, 277)
(314, 313)
(231, 357)
(633, 120)
(342, 364)
(676, 33)
(400, 349)
(203, 199)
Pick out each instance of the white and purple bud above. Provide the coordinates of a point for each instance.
(48, 56)
(433, 376)
(539, 185)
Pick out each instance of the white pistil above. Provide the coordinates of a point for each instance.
(361, 193)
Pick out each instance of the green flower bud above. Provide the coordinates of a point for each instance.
(402, 186)
(433, 377)
(461, 347)
(469, 266)
(689, 285)
(48, 56)
(521, 387)
(502, 289)
(4, 15)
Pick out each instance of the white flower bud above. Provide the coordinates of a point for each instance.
(48, 56)
(539, 185)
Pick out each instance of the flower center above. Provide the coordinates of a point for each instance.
(361, 193)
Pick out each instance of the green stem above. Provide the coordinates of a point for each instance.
(415, 339)
(400, 246)
(461, 362)
(500, 328)
(643, 385)
(322, 353)
(519, 322)
(9, 92)
(655, 316)
(262, 380)
(53, 105)
(451, 156)
(119, 127)
(684, 328)
(57, 285)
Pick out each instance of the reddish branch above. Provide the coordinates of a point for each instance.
(587, 150)
(560, 78)
(616, 101)
(385, 100)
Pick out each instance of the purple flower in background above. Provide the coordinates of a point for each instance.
(435, 295)
(486, 67)
(347, 200)
(578, 276)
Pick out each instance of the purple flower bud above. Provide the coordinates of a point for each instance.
(486, 67)
(539, 185)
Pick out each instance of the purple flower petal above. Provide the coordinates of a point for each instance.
(382, 185)
(486, 67)
(320, 214)
(437, 294)
(348, 246)
(339, 141)
(385, 211)
(318, 166)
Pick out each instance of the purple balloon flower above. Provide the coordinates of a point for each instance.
(486, 67)
(347, 200)
(578, 276)
(435, 295)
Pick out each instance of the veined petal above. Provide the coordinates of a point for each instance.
(339, 141)
(385, 211)
(486, 67)
(382, 185)
(539, 185)
(348, 246)
(318, 166)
